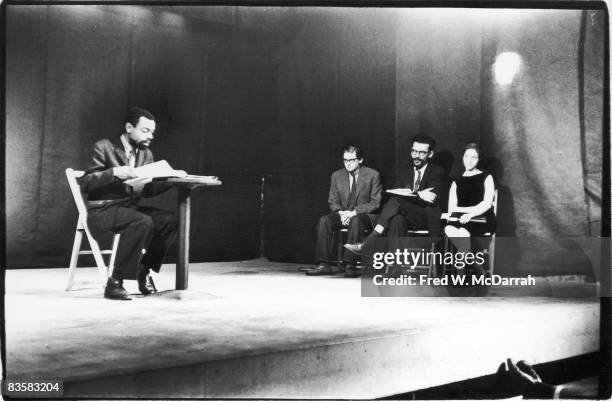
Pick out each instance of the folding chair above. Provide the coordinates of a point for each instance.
(432, 269)
(491, 249)
(492, 235)
(341, 239)
(429, 264)
(81, 228)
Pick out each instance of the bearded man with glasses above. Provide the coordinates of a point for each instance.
(414, 203)
(354, 194)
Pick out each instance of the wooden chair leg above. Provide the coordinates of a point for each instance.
(340, 246)
(111, 263)
(491, 255)
(433, 270)
(97, 254)
(76, 247)
(446, 248)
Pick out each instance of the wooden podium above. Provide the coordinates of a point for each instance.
(185, 185)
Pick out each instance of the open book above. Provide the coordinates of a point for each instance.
(149, 171)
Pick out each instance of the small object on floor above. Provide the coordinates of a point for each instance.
(321, 270)
(355, 248)
(114, 290)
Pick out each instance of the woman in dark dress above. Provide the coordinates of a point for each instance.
(471, 195)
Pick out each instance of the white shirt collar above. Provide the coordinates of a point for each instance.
(126, 145)
(422, 169)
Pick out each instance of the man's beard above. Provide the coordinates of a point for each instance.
(142, 145)
(423, 162)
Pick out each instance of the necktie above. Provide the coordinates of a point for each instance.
(417, 182)
(131, 159)
(135, 161)
(352, 193)
(138, 159)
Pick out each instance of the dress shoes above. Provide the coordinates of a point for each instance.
(321, 270)
(351, 271)
(146, 285)
(114, 290)
(355, 248)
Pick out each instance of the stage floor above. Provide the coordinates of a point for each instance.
(261, 329)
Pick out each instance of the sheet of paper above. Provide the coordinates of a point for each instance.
(153, 170)
(204, 178)
(138, 181)
(158, 169)
(401, 192)
(455, 217)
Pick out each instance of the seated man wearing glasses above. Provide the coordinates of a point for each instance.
(354, 195)
(415, 202)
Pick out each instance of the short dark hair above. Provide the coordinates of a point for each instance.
(422, 138)
(353, 148)
(134, 113)
(476, 147)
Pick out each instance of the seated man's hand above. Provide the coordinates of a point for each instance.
(345, 216)
(427, 195)
(342, 218)
(124, 172)
(445, 216)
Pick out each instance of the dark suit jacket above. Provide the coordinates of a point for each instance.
(434, 178)
(367, 191)
(100, 184)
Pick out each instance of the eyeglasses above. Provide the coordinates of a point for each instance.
(350, 160)
(421, 153)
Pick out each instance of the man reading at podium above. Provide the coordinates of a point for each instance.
(146, 232)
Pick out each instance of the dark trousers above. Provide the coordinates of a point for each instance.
(327, 227)
(400, 214)
(145, 230)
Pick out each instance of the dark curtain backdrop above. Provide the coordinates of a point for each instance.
(530, 130)
(272, 95)
(73, 71)
(537, 132)
(336, 85)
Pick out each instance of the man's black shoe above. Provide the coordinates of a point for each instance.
(146, 285)
(114, 290)
(321, 270)
(351, 271)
